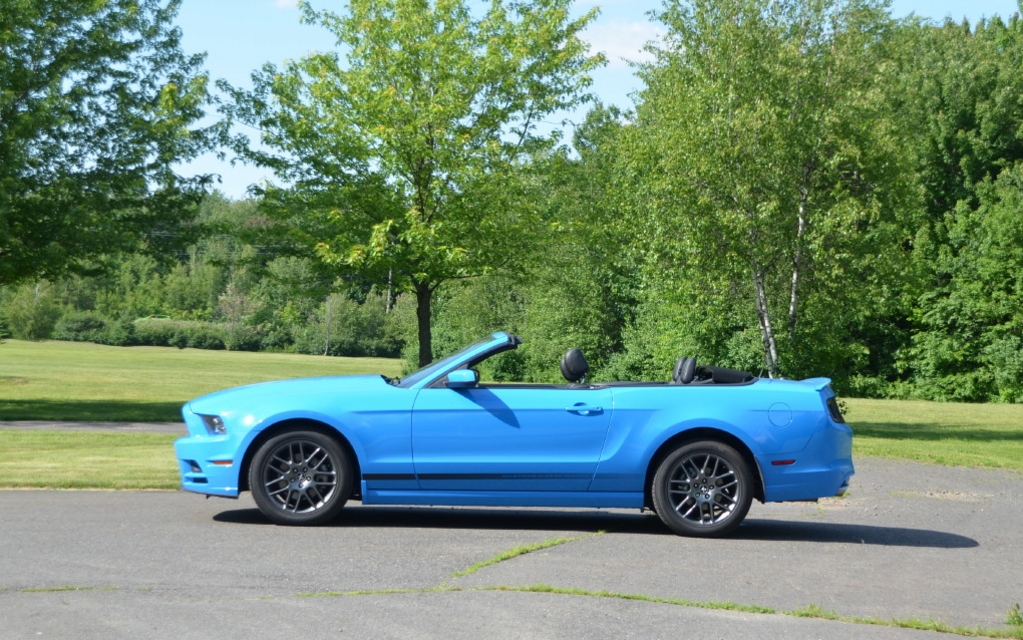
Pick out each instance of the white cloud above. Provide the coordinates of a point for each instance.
(623, 41)
(286, 4)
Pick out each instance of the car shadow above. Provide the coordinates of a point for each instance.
(474, 518)
(615, 522)
(794, 531)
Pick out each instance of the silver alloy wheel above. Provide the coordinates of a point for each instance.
(703, 489)
(300, 476)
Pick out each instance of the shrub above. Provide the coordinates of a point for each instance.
(154, 332)
(205, 336)
(241, 338)
(32, 312)
(81, 326)
(859, 386)
(344, 327)
(5, 331)
(120, 333)
(276, 338)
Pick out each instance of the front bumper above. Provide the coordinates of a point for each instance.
(205, 468)
(207, 463)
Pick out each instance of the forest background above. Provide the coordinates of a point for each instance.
(803, 188)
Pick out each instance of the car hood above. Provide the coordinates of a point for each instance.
(283, 392)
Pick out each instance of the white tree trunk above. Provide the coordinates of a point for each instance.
(797, 261)
(766, 329)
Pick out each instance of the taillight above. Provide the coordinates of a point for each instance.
(836, 413)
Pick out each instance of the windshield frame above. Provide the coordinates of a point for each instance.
(441, 367)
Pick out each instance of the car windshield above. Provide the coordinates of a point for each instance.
(430, 369)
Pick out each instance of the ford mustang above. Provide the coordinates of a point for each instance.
(696, 449)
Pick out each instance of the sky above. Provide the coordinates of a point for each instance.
(239, 36)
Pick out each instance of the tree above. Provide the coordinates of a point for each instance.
(580, 291)
(772, 172)
(31, 311)
(97, 106)
(961, 97)
(970, 343)
(961, 90)
(407, 162)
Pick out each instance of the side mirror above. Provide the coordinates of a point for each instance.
(463, 379)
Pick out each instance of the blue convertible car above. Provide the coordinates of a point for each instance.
(696, 449)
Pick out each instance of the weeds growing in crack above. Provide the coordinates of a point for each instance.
(521, 550)
(1015, 618)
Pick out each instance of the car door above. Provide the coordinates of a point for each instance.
(509, 438)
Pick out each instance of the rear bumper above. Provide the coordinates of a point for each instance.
(822, 469)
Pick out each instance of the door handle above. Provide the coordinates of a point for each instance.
(585, 410)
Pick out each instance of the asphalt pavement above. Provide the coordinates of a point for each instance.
(911, 541)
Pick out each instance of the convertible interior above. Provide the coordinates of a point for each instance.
(574, 368)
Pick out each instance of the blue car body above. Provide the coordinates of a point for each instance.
(439, 438)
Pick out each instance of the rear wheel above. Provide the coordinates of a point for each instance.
(300, 477)
(703, 489)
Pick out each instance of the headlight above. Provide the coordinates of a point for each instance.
(214, 425)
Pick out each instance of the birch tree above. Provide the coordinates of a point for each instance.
(776, 170)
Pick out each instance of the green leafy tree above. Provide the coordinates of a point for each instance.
(970, 344)
(580, 292)
(772, 174)
(962, 99)
(97, 105)
(574, 291)
(31, 311)
(961, 96)
(403, 158)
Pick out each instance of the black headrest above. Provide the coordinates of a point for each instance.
(685, 370)
(574, 366)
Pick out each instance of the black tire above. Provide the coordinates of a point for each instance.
(301, 478)
(702, 489)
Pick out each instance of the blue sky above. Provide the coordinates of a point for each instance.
(239, 36)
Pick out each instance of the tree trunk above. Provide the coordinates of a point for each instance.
(766, 329)
(424, 294)
(797, 261)
(326, 326)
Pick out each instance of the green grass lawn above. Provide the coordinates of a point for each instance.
(81, 381)
(948, 433)
(87, 460)
(76, 381)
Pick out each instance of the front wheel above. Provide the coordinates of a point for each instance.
(703, 489)
(300, 477)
